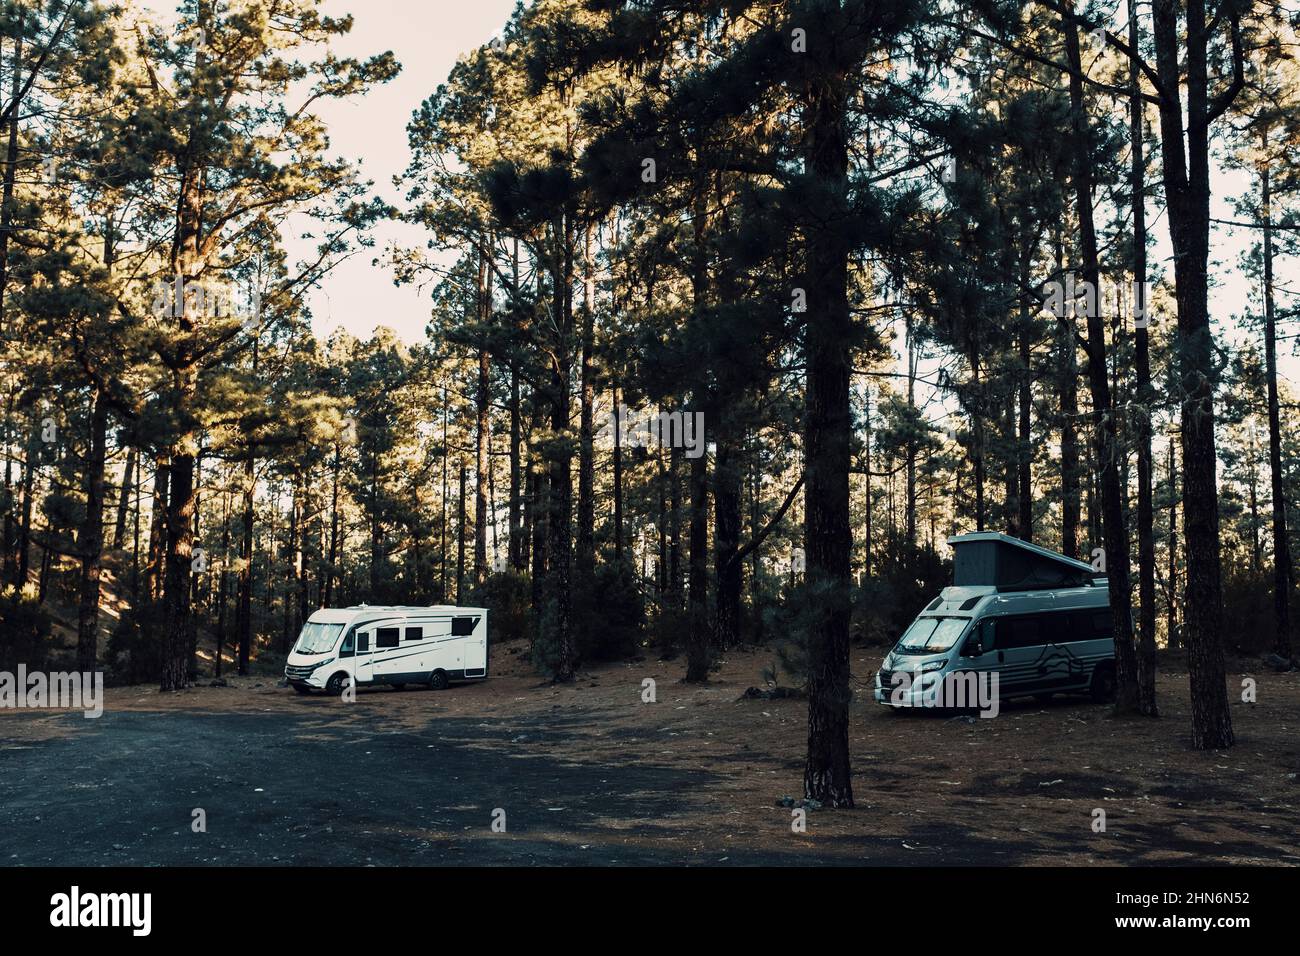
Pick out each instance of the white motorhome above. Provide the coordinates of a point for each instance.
(365, 646)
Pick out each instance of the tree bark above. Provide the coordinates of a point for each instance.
(482, 468)
(515, 544)
(1283, 570)
(153, 571)
(90, 541)
(1187, 192)
(618, 485)
(124, 500)
(1146, 642)
(1105, 432)
(586, 543)
(460, 535)
(828, 425)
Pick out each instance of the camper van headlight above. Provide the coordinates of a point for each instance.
(934, 665)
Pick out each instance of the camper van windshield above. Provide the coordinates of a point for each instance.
(932, 635)
(317, 638)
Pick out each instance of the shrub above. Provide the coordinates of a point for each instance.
(612, 615)
(25, 631)
(134, 653)
(508, 599)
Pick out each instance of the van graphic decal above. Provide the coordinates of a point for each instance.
(1058, 661)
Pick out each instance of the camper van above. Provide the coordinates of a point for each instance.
(365, 646)
(1038, 620)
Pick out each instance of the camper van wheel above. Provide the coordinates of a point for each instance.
(438, 680)
(334, 686)
(1103, 683)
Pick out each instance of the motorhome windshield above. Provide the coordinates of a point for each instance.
(317, 638)
(932, 635)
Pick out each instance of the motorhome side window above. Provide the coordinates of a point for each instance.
(346, 649)
(414, 633)
(463, 626)
(388, 636)
(363, 642)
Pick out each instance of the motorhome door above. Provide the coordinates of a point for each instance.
(475, 657)
(364, 669)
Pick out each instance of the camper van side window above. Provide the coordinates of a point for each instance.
(346, 649)
(1082, 626)
(414, 633)
(463, 626)
(387, 637)
(1018, 632)
(363, 642)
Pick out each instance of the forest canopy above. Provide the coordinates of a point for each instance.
(736, 312)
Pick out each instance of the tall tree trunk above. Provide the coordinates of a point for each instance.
(331, 564)
(153, 571)
(698, 651)
(866, 474)
(1187, 192)
(514, 545)
(11, 159)
(222, 582)
(186, 265)
(179, 571)
(909, 446)
(586, 544)
(538, 503)
(460, 536)
(482, 421)
(482, 468)
(1071, 504)
(978, 430)
(1024, 438)
(300, 559)
(557, 616)
(618, 485)
(828, 426)
(1146, 534)
(15, 567)
(674, 528)
(1105, 433)
(290, 553)
(699, 655)
(446, 490)
(1282, 568)
(8, 544)
(727, 485)
(124, 499)
(244, 586)
(30, 467)
(1010, 467)
(1172, 638)
(90, 541)
(661, 575)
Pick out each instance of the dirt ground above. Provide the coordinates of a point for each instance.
(589, 774)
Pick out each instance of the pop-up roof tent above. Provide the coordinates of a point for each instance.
(990, 559)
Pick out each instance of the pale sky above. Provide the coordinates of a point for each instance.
(426, 36)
